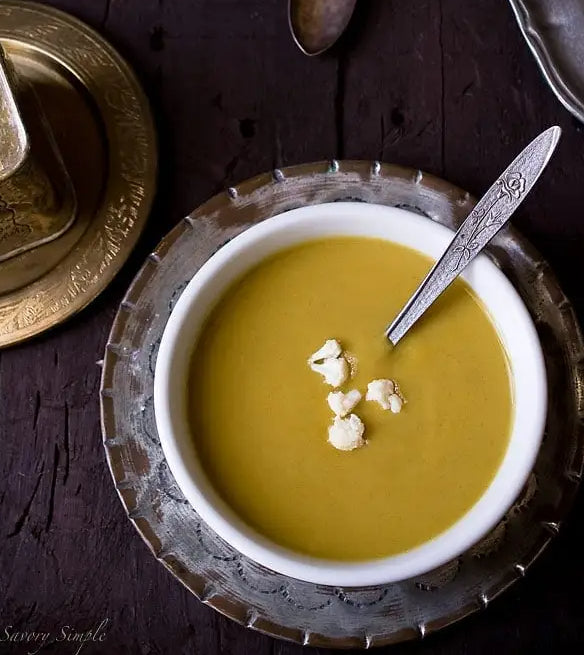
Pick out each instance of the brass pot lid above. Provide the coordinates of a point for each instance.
(78, 186)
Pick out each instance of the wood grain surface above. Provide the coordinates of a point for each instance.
(442, 85)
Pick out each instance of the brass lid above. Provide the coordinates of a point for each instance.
(77, 167)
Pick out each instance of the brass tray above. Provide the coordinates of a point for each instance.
(103, 128)
(234, 585)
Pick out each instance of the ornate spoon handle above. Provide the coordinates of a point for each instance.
(489, 215)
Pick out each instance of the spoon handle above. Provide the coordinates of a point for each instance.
(489, 215)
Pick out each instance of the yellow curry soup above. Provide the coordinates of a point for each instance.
(259, 415)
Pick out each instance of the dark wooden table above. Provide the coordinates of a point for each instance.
(444, 85)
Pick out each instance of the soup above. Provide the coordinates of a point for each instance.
(259, 415)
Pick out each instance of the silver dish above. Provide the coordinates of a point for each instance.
(272, 603)
(554, 31)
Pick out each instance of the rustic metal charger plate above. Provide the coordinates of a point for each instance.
(234, 585)
(554, 31)
(101, 122)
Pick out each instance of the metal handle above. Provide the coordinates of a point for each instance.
(13, 136)
(486, 219)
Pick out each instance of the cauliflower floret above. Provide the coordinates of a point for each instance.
(334, 371)
(395, 403)
(347, 433)
(330, 349)
(385, 393)
(343, 403)
(380, 391)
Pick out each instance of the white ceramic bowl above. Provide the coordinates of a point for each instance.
(507, 312)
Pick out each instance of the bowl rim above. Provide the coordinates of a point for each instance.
(323, 220)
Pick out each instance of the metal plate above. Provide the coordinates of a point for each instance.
(232, 584)
(102, 124)
(553, 30)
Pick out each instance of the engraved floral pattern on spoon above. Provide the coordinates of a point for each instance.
(510, 189)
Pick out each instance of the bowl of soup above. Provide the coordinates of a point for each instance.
(243, 419)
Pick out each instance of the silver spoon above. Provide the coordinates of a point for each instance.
(317, 24)
(490, 214)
